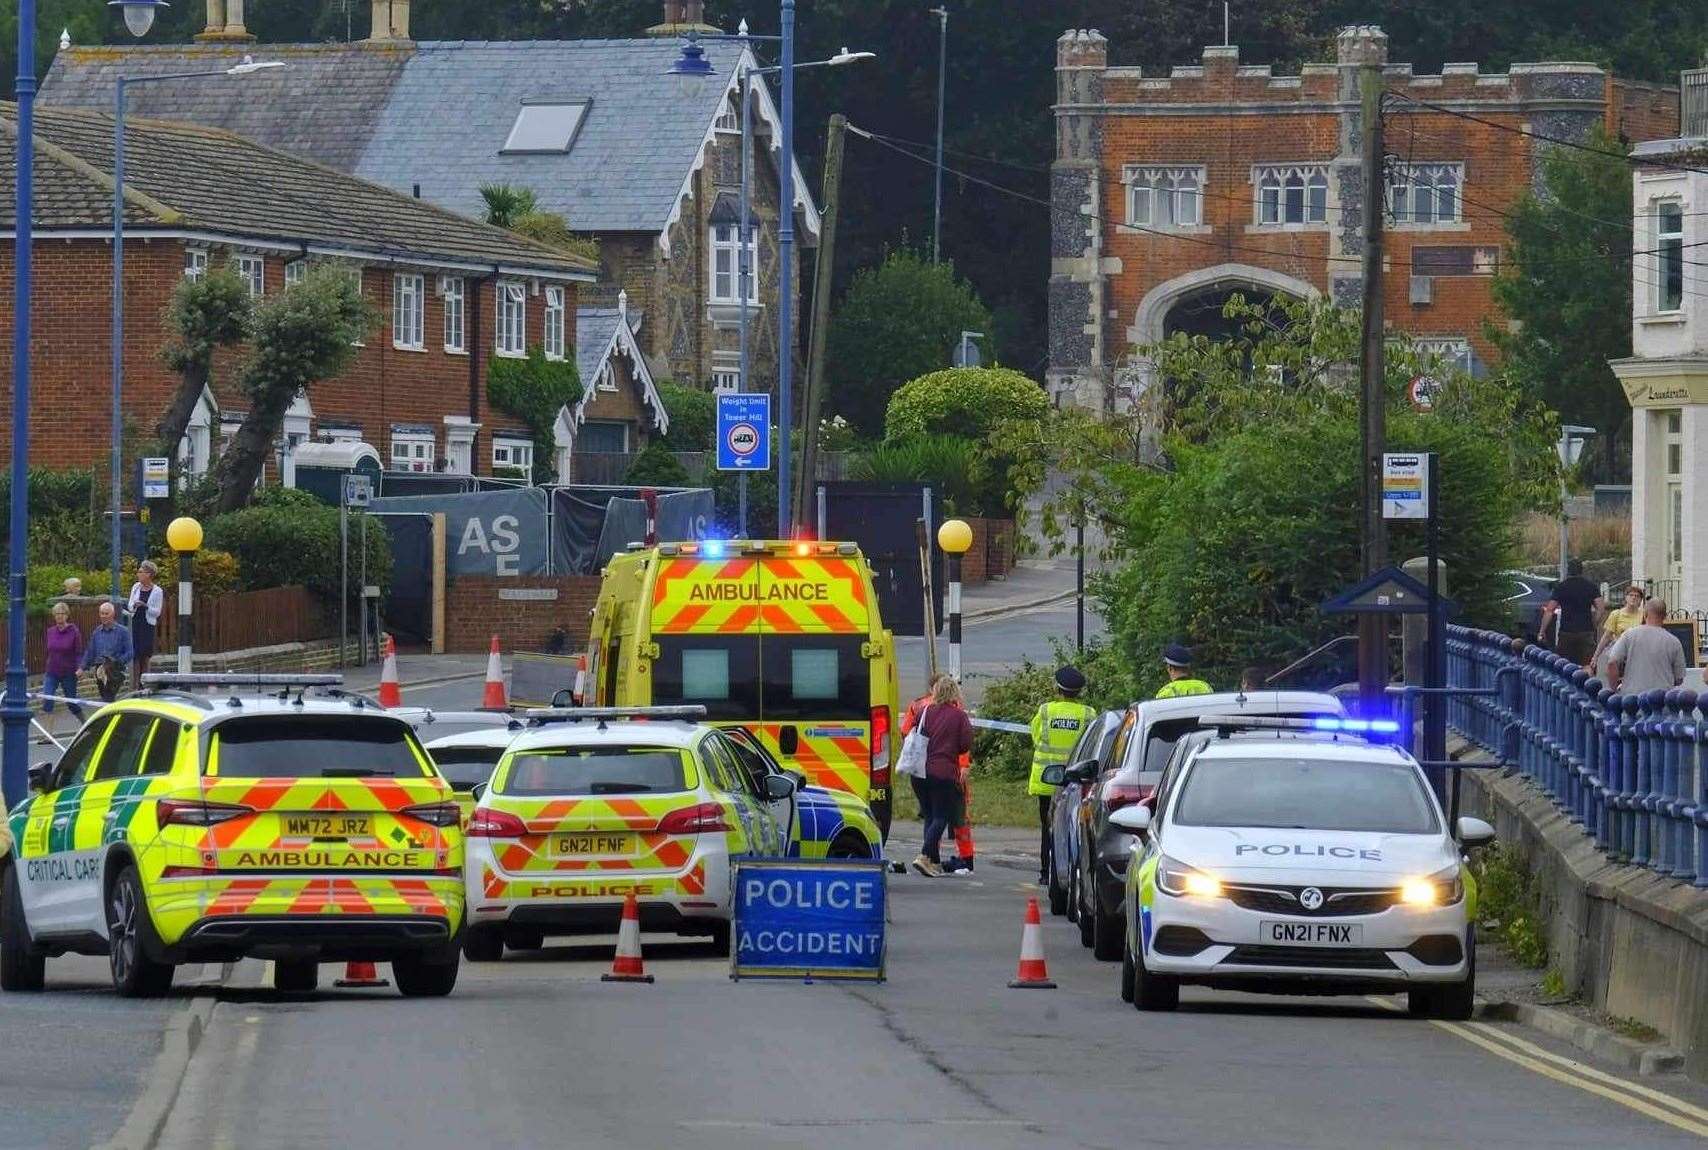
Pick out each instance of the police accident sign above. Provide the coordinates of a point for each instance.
(798, 918)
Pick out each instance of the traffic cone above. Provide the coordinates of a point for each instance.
(391, 695)
(1033, 974)
(627, 965)
(493, 699)
(359, 975)
(580, 691)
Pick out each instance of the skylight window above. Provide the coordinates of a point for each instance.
(546, 126)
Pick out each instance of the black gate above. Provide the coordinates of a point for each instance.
(409, 609)
(881, 519)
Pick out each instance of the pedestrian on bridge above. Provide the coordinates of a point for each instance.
(948, 736)
(1616, 624)
(1575, 600)
(1177, 661)
(1056, 728)
(1648, 657)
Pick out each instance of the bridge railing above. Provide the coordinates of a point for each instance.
(1631, 770)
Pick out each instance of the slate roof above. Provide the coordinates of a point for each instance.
(187, 177)
(595, 331)
(437, 114)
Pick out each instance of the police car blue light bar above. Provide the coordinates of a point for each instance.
(1325, 723)
(688, 713)
(238, 680)
(1357, 726)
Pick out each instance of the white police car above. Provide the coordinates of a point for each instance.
(1294, 856)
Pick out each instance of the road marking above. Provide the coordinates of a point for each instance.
(1681, 1115)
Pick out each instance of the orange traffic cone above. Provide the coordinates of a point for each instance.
(493, 699)
(627, 965)
(359, 975)
(1033, 974)
(391, 695)
(580, 691)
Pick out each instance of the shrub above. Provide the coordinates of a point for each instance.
(970, 402)
(656, 467)
(952, 466)
(693, 417)
(294, 539)
(534, 390)
(1017, 696)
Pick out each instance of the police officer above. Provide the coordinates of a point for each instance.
(1055, 730)
(1177, 660)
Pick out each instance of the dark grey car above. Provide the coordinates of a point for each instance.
(1086, 761)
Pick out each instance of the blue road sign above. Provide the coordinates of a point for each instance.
(744, 431)
(796, 918)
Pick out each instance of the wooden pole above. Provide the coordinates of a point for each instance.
(1372, 628)
(813, 402)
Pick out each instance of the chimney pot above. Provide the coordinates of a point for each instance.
(1362, 44)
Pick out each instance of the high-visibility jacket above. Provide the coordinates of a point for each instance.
(1055, 729)
(1175, 688)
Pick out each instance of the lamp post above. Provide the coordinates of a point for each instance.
(954, 537)
(693, 62)
(1570, 450)
(139, 18)
(184, 536)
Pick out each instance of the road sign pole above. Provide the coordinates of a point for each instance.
(343, 574)
(1435, 711)
(741, 504)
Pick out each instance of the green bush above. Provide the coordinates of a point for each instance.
(293, 538)
(1509, 905)
(1015, 697)
(970, 402)
(534, 390)
(952, 466)
(656, 467)
(693, 417)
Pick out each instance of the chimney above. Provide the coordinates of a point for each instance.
(682, 18)
(1360, 44)
(391, 22)
(225, 22)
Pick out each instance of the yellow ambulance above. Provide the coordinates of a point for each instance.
(783, 638)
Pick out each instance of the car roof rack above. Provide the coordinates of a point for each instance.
(1225, 725)
(691, 713)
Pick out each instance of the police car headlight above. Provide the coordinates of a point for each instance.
(1182, 881)
(1443, 888)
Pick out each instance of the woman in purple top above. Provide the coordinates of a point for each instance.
(64, 651)
(948, 735)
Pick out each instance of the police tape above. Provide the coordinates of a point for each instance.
(999, 725)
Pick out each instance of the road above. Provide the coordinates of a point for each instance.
(536, 1051)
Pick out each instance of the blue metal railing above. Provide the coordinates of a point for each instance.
(1629, 769)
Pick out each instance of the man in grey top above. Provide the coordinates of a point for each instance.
(1647, 656)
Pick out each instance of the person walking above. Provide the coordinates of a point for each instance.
(1616, 624)
(1575, 600)
(108, 653)
(147, 602)
(960, 820)
(1177, 661)
(1056, 728)
(64, 650)
(1648, 657)
(948, 735)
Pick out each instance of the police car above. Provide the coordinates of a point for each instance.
(256, 821)
(591, 805)
(468, 759)
(1296, 856)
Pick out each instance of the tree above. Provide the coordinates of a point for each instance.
(507, 203)
(898, 321)
(301, 336)
(967, 401)
(1567, 283)
(656, 467)
(207, 313)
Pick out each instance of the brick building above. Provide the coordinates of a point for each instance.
(645, 162)
(1173, 191)
(451, 294)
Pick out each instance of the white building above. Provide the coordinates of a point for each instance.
(1666, 379)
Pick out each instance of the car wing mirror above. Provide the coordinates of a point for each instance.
(1054, 775)
(41, 778)
(1135, 819)
(1474, 832)
(1083, 771)
(779, 787)
(564, 697)
(479, 790)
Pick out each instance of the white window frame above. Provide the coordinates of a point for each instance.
(729, 117)
(726, 379)
(342, 434)
(725, 242)
(414, 451)
(514, 452)
(1415, 194)
(354, 273)
(1290, 196)
(555, 323)
(1669, 256)
(1165, 198)
(195, 263)
(1454, 351)
(408, 312)
(454, 293)
(253, 271)
(510, 333)
(295, 272)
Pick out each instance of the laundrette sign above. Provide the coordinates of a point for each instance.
(809, 919)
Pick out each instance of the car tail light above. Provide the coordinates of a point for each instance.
(1118, 795)
(490, 824)
(880, 746)
(693, 820)
(195, 813)
(438, 814)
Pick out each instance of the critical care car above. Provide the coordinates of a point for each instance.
(1293, 857)
(592, 805)
(254, 821)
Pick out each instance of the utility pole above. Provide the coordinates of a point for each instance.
(813, 402)
(786, 284)
(1372, 628)
(942, 73)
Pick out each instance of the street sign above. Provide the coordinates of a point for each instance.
(1405, 486)
(744, 431)
(358, 490)
(156, 477)
(808, 919)
(1422, 391)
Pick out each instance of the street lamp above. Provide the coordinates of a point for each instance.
(954, 537)
(1570, 450)
(139, 14)
(139, 17)
(184, 536)
(693, 62)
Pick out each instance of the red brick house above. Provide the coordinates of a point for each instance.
(452, 294)
(1174, 190)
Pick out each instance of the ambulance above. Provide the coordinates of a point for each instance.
(782, 638)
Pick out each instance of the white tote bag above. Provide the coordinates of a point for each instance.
(912, 760)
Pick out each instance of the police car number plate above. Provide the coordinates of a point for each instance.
(593, 844)
(1314, 933)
